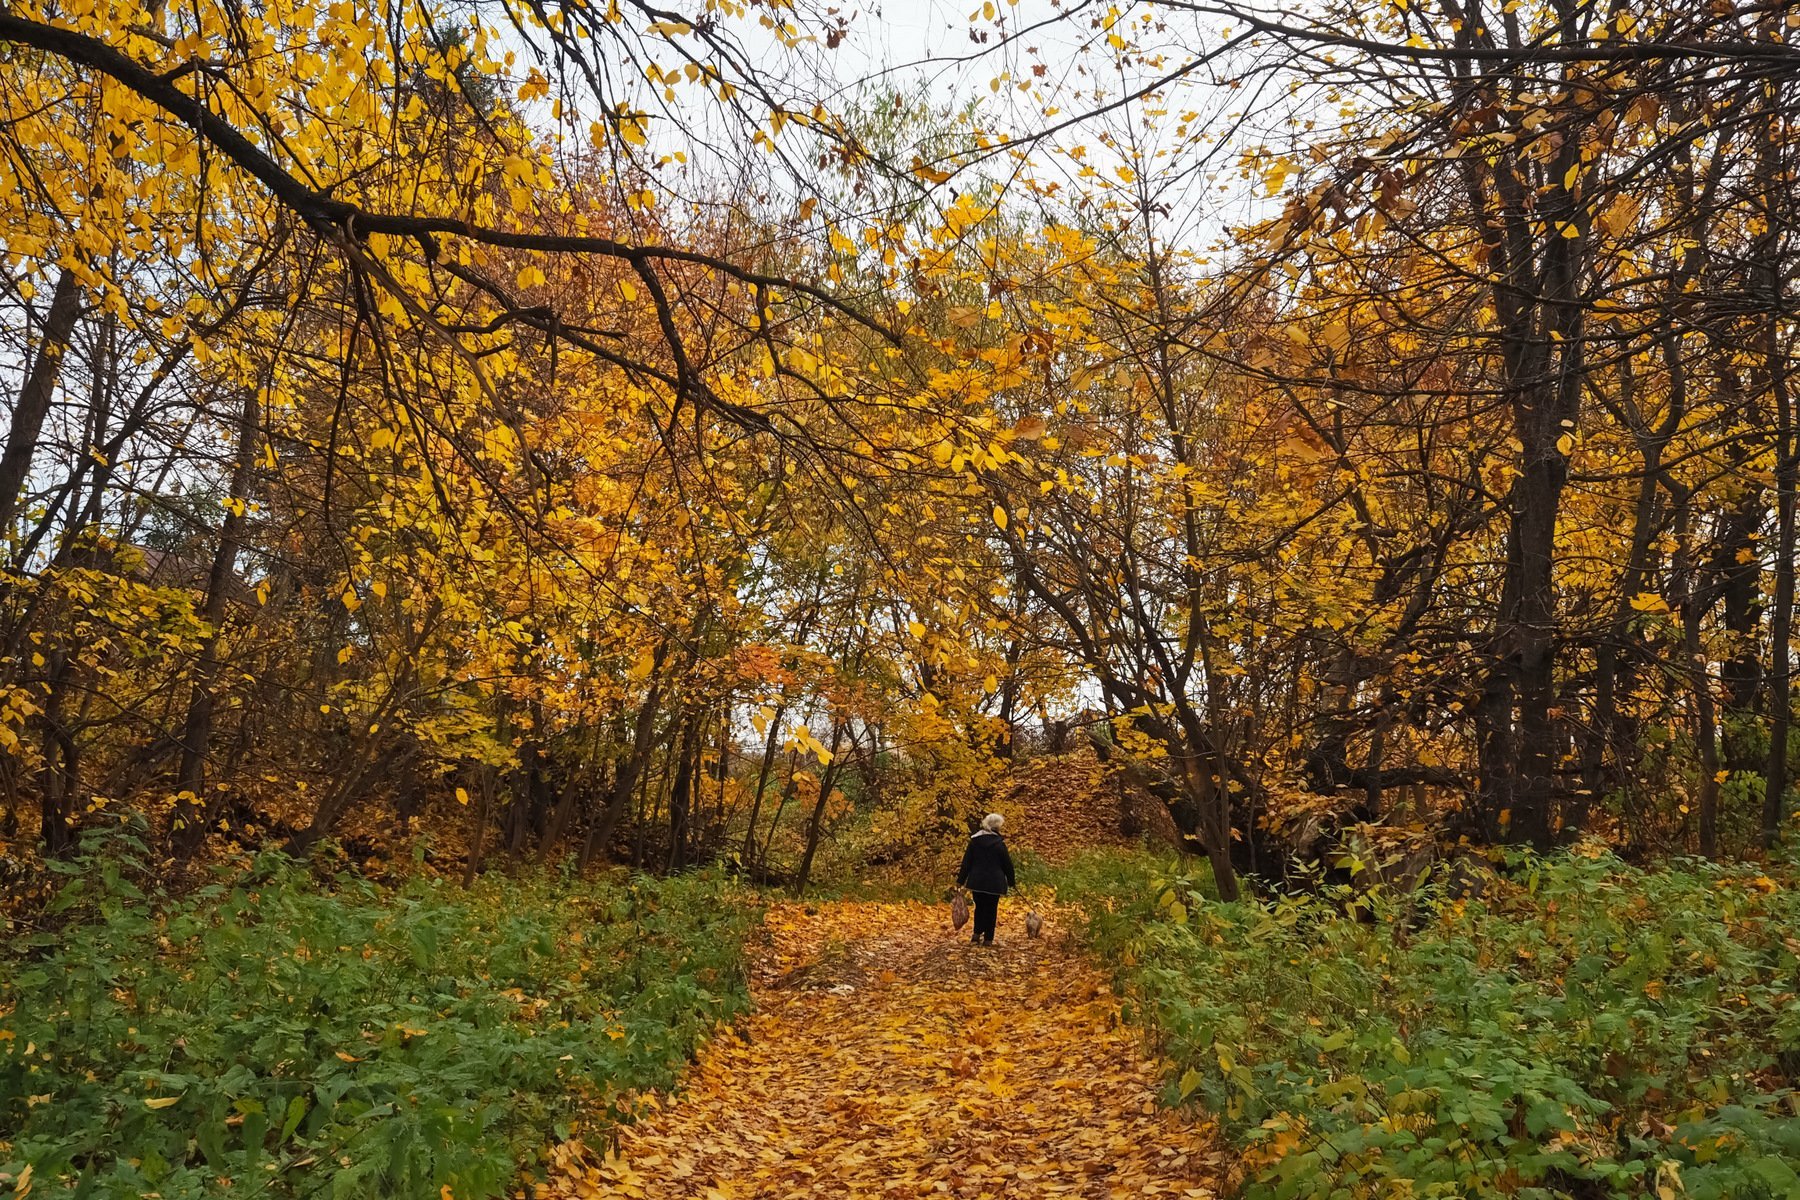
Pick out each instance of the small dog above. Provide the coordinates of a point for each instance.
(1034, 924)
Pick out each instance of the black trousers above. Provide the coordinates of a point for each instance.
(987, 915)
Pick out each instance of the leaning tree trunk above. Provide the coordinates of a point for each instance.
(1603, 738)
(34, 398)
(560, 815)
(770, 745)
(816, 823)
(626, 774)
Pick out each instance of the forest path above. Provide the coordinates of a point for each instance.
(888, 1057)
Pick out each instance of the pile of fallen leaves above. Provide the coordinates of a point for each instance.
(1070, 804)
(889, 1057)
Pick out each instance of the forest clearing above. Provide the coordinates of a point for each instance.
(552, 553)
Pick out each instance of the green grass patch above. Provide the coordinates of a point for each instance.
(1582, 1029)
(271, 1036)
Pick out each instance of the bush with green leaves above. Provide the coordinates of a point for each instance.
(269, 1036)
(1577, 1028)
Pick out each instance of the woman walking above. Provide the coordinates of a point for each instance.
(987, 871)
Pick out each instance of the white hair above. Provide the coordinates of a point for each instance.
(992, 822)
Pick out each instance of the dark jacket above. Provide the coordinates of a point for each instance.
(986, 866)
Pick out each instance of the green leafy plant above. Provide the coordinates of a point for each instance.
(269, 1037)
(1578, 1028)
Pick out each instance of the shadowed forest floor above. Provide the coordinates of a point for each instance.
(888, 1057)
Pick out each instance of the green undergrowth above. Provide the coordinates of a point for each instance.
(276, 1035)
(1577, 1028)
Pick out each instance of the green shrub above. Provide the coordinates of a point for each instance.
(271, 1037)
(1584, 1030)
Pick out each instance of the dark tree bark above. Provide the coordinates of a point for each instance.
(1781, 686)
(1537, 273)
(37, 393)
(1737, 576)
(59, 778)
(484, 812)
(629, 769)
(561, 814)
(195, 815)
(681, 790)
(1692, 612)
(1770, 283)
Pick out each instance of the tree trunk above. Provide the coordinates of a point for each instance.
(816, 823)
(526, 789)
(484, 810)
(1603, 733)
(681, 793)
(626, 774)
(1693, 610)
(770, 745)
(1740, 586)
(197, 808)
(1521, 705)
(1211, 796)
(59, 777)
(787, 794)
(1769, 277)
(559, 817)
(1781, 698)
(35, 396)
(1532, 625)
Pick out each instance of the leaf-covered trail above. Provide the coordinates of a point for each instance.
(888, 1057)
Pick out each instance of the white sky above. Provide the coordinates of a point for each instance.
(925, 48)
